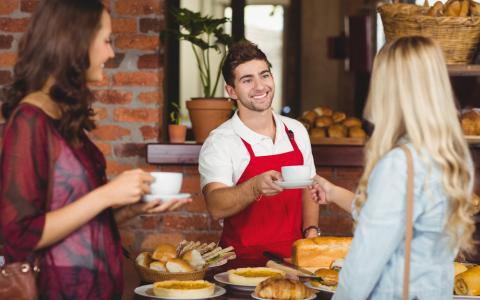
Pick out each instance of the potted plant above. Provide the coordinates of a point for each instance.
(177, 132)
(205, 34)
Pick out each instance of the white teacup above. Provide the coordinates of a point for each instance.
(166, 183)
(296, 173)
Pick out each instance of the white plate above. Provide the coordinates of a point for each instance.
(458, 297)
(254, 296)
(166, 198)
(147, 291)
(320, 288)
(294, 184)
(223, 278)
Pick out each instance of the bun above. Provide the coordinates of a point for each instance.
(319, 252)
(356, 132)
(323, 111)
(330, 277)
(317, 133)
(144, 259)
(164, 251)
(194, 258)
(188, 289)
(309, 116)
(252, 276)
(323, 121)
(283, 289)
(338, 117)
(158, 266)
(468, 282)
(178, 265)
(337, 130)
(352, 122)
(471, 122)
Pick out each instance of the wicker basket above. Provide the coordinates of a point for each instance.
(457, 36)
(150, 276)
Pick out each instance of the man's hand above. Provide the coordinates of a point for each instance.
(264, 184)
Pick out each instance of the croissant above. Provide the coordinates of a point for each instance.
(468, 282)
(282, 289)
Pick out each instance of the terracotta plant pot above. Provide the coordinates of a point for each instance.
(208, 113)
(177, 133)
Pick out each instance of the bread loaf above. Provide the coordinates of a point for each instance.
(319, 252)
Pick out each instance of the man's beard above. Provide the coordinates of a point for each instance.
(251, 105)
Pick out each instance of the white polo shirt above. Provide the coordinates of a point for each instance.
(224, 157)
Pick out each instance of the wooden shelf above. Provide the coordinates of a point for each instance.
(464, 70)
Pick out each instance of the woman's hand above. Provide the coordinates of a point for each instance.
(158, 206)
(127, 188)
(320, 190)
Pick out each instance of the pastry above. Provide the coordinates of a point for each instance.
(338, 117)
(356, 132)
(317, 133)
(252, 276)
(282, 289)
(323, 111)
(190, 289)
(352, 122)
(323, 121)
(468, 282)
(319, 252)
(337, 131)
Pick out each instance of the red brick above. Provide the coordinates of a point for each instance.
(137, 42)
(150, 61)
(130, 150)
(151, 97)
(150, 132)
(101, 113)
(205, 237)
(188, 222)
(149, 221)
(151, 25)
(115, 62)
(5, 77)
(110, 132)
(7, 59)
(136, 115)
(114, 167)
(197, 204)
(113, 97)
(138, 78)
(106, 148)
(8, 6)
(6, 41)
(191, 184)
(151, 241)
(28, 5)
(139, 7)
(14, 25)
(124, 25)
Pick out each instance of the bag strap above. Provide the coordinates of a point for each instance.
(408, 222)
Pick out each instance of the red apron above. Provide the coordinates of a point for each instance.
(272, 223)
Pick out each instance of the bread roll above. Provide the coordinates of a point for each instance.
(356, 132)
(319, 252)
(338, 117)
(468, 282)
(352, 122)
(337, 131)
(323, 111)
(323, 121)
(330, 277)
(317, 133)
(164, 251)
(453, 10)
(186, 289)
(309, 116)
(178, 265)
(252, 276)
(436, 10)
(283, 289)
(158, 266)
(144, 259)
(194, 258)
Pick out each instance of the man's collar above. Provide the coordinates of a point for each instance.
(253, 137)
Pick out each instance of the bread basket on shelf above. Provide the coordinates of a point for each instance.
(150, 276)
(457, 36)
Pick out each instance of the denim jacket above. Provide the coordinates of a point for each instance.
(373, 268)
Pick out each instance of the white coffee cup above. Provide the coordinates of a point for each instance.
(166, 183)
(296, 173)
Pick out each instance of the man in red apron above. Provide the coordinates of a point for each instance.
(241, 160)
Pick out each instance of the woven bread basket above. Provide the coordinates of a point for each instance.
(457, 36)
(151, 276)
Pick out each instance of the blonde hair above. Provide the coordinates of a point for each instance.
(417, 101)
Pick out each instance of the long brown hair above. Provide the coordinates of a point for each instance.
(56, 46)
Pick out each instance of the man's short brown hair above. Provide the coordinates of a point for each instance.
(239, 53)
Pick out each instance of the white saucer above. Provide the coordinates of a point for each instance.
(147, 291)
(294, 184)
(223, 278)
(165, 198)
(323, 288)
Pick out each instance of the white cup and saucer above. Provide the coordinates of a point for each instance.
(295, 177)
(166, 187)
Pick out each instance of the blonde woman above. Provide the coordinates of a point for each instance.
(410, 102)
